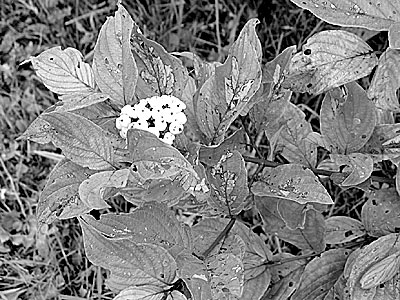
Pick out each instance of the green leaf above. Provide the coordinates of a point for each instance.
(347, 119)
(358, 166)
(39, 131)
(60, 196)
(355, 13)
(291, 182)
(84, 142)
(385, 82)
(321, 274)
(228, 184)
(329, 59)
(72, 102)
(394, 35)
(292, 141)
(210, 155)
(113, 63)
(312, 236)
(146, 292)
(380, 214)
(160, 73)
(154, 159)
(285, 287)
(63, 71)
(367, 258)
(227, 275)
(153, 223)
(130, 263)
(92, 190)
(227, 93)
(342, 229)
(384, 142)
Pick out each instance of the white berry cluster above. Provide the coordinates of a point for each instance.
(160, 115)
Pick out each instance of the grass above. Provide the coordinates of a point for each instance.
(50, 263)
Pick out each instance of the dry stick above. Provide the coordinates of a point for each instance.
(217, 29)
(273, 164)
(223, 233)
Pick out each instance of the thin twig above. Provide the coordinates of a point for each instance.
(223, 233)
(316, 171)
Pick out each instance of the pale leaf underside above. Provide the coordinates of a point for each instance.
(375, 15)
(329, 59)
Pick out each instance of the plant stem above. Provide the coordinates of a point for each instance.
(316, 171)
(223, 233)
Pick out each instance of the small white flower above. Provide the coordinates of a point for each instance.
(175, 128)
(122, 121)
(168, 138)
(123, 133)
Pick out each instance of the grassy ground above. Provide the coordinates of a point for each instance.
(50, 264)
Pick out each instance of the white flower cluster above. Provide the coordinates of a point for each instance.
(160, 115)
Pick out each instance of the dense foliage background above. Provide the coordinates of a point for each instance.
(50, 264)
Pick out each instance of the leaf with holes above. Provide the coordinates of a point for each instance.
(64, 72)
(358, 167)
(312, 236)
(60, 196)
(293, 142)
(329, 59)
(113, 63)
(291, 182)
(286, 286)
(380, 213)
(369, 258)
(228, 184)
(84, 142)
(92, 190)
(384, 143)
(229, 91)
(321, 274)
(355, 13)
(152, 223)
(342, 229)
(148, 292)
(154, 159)
(130, 263)
(385, 82)
(347, 119)
(160, 73)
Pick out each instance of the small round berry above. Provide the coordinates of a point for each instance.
(160, 124)
(128, 110)
(180, 118)
(123, 133)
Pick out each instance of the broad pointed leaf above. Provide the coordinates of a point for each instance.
(355, 13)
(92, 190)
(358, 166)
(366, 259)
(347, 119)
(321, 274)
(153, 159)
(329, 59)
(60, 197)
(342, 229)
(394, 35)
(228, 92)
(130, 263)
(113, 63)
(380, 214)
(285, 287)
(228, 184)
(64, 72)
(72, 102)
(385, 82)
(293, 142)
(146, 292)
(291, 182)
(312, 236)
(84, 142)
(152, 223)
